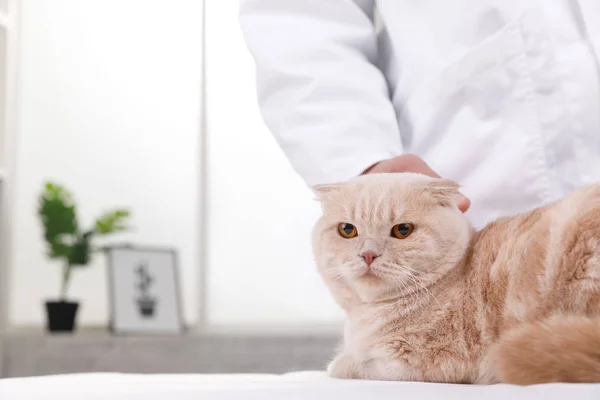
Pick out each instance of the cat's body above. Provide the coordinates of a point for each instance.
(518, 301)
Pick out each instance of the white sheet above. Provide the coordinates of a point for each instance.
(299, 385)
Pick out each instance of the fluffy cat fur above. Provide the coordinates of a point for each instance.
(516, 302)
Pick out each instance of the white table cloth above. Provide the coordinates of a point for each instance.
(299, 385)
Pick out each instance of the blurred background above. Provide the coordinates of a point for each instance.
(151, 105)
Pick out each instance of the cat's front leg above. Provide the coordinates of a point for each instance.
(343, 367)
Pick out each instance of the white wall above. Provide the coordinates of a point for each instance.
(260, 270)
(109, 105)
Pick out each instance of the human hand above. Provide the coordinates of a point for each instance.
(413, 163)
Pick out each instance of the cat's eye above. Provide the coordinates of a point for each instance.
(347, 231)
(402, 231)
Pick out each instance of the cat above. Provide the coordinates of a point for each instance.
(429, 298)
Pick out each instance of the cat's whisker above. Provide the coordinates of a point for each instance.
(420, 273)
(334, 273)
(417, 301)
(420, 283)
(393, 269)
(401, 286)
(392, 274)
(416, 285)
(420, 286)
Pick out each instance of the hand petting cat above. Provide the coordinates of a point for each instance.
(413, 163)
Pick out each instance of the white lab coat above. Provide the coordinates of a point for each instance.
(500, 95)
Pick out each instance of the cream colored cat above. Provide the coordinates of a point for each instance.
(428, 298)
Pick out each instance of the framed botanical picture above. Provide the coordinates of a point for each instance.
(144, 290)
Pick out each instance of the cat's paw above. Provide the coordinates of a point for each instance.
(342, 367)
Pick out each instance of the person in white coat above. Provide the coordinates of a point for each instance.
(500, 96)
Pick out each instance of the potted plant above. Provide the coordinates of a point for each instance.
(145, 302)
(70, 244)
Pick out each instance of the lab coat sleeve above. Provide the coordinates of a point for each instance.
(319, 90)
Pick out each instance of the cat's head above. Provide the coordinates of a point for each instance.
(383, 235)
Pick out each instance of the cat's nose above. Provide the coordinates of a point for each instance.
(369, 256)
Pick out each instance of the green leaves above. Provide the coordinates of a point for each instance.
(112, 222)
(80, 251)
(58, 214)
(64, 239)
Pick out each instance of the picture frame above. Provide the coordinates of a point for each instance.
(144, 290)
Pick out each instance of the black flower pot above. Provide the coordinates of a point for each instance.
(61, 315)
(146, 306)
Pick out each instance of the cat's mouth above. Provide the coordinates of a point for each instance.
(369, 273)
(370, 279)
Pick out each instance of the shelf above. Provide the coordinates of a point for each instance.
(42, 354)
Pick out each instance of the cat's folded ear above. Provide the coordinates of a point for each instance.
(443, 191)
(325, 191)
